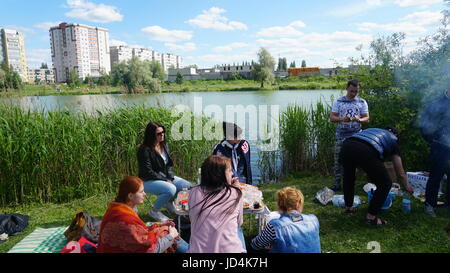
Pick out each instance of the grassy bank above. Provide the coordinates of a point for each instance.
(291, 83)
(62, 156)
(339, 232)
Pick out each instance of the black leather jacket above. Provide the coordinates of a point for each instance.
(152, 166)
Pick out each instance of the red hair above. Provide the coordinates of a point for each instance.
(129, 184)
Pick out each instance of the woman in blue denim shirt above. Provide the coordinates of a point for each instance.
(293, 232)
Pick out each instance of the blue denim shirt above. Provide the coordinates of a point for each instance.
(296, 233)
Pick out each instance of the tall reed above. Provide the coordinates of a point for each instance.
(60, 156)
(307, 139)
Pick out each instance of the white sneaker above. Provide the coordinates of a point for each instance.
(158, 216)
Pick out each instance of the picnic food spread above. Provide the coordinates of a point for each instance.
(252, 198)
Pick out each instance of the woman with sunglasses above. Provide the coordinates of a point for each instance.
(156, 170)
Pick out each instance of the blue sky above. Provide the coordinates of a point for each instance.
(207, 32)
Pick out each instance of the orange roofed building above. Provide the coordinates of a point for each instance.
(303, 71)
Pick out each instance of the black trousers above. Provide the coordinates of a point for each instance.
(359, 154)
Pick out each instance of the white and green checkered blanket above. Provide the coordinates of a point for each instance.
(50, 240)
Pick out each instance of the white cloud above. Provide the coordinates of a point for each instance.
(45, 26)
(89, 11)
(423, 3)
(356, 8)
(35, 57)
(286, 31)
(23, 30)
(319, 49)
(158, 33)
(212, 19)
(230, 47)
(415, 24)
(114, 42)
(184, 47)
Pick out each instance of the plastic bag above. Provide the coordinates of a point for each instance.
(325, 196)
(338, 201)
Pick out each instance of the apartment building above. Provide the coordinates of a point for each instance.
(41, 76)
(80, 48)
(12, 51)
(125, 53)
(171, 61)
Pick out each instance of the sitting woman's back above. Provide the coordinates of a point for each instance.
(293, 231)
(216, 210)
(215, 228)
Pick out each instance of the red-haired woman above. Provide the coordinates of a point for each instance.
(122, 231)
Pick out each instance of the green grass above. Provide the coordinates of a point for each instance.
(339, 232)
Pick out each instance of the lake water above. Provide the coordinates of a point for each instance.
(228, 106)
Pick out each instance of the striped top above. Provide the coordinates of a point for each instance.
(265, 238)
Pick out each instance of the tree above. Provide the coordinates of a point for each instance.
(179, 79)
(303, 63)
(44, 66)
(136, 75)
(292, 65)
(89, 80)
(157, 71)
(73, 79)
(263, 70)
(9, 79)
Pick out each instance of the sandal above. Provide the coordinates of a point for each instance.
(374, 222)
(350, 210)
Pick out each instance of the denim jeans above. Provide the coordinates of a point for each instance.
(440, 165)
(241, 237)
(182, 246)
(165, 191)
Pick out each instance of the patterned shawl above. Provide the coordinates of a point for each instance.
(122, 231)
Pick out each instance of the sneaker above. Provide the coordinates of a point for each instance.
(171, 207)
(336, 187)
(429, 210)
(158, 216)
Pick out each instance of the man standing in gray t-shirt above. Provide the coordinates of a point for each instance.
(349, 111)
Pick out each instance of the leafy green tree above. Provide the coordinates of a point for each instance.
(263, 70)
(73, 80)
(44, 66)
(157, 71)
(303, 63)
(292, 65)
(104, 79)
(135, 75)
(10, 79)
(179, 79)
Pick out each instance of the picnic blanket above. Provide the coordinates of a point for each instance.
(50, 240)
(42, 240)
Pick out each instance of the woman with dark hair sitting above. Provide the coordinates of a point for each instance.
(122, 231)
(216, 210)
(156, 169)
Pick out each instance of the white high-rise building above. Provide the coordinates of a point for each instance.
(80, 48)
(143, 54)
(12, 51)
(119, 54)
(171, 61)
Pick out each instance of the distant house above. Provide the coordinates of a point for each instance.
(192, 73)
(245, 71)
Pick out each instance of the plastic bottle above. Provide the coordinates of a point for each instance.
(182, 199)
(406, 203)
